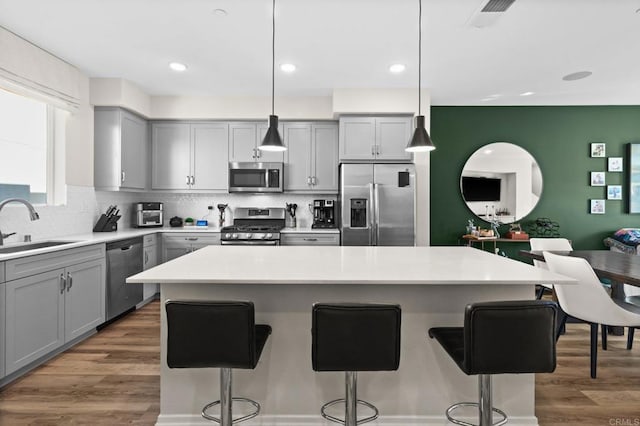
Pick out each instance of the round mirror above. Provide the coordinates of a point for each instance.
(501, 181)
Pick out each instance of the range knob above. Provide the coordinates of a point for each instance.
(264, 236)
(269, 236)
(234, 236)
(249, 236)
(227, 236)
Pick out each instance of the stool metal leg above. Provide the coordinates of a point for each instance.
(351, 412)
(226, 416)
(226, 403)
(484, 406)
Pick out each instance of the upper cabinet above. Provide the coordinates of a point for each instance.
(375, 138)
(311, 157)
(121, 150)
(189, 156)
(244, 140)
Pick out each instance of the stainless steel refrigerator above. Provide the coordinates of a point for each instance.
(377, 204)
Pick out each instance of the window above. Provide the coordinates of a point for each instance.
(28, 159)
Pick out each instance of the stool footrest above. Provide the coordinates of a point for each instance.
(473, 404)
(343, 401)
(237, 420)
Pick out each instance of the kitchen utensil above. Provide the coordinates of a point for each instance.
(175, 222)
(222, 208)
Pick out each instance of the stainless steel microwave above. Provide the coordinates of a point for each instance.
(256, 177)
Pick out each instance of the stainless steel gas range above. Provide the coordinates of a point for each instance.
(254, 226)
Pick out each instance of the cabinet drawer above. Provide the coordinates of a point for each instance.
(204, 239)
(31, 265)
(149, 240)
(310, 239)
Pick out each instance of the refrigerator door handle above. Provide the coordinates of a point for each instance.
(376, 210)
(372, 215)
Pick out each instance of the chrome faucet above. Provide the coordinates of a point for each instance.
(33, 214)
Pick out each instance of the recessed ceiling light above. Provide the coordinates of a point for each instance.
(527, 93)
(220, 12)
(287, 67)
(397, 68)
(577, 75)
(177, 66)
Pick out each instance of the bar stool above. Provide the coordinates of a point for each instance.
(215, 334)
(500, 338)
(352, 338)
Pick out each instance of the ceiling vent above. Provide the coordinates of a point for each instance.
(488, 13)
(497, 5)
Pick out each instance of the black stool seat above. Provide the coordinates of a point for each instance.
(216, 334)
(354, 337)
(499, 338)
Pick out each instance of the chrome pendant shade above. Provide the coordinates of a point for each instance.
(420, 142)
(272, 140)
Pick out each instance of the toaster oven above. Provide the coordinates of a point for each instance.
(146, 215)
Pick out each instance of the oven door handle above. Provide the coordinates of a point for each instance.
(250, 243)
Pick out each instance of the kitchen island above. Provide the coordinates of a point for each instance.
(432, 285)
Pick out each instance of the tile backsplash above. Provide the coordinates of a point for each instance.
(84, 206)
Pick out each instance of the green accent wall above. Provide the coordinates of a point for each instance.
(559, 138)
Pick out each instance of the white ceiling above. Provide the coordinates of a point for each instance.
(348, 44)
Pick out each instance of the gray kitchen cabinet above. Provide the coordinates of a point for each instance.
(176, 245)
(375, 138)
(120, 150)
(45, 310)
(311, 157)
(244, 139)
(150, 253)
(2, 319)
(310, 239)
(189, 156)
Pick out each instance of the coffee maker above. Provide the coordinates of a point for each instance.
(324, 214)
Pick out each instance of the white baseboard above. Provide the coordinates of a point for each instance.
(271, 420)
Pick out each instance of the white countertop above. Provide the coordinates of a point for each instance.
(80, 240)
(345, 265)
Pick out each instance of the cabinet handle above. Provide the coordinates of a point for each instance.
(310, 239)
(309, 180)
(192, 239)
(122, 175)
(188, 180)
(146, 257)
(255, 153)
(377, 149)
(63, 283)
(193, 180)
(69, 281)
(313, 180)
(373, 150)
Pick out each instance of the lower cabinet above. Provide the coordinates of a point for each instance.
(310, 239)
(2, 310)
(150, 248)
(176, 245)
(47, 310)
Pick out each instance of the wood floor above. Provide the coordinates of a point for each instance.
(113, 379)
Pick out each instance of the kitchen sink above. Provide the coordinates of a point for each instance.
(32, 246)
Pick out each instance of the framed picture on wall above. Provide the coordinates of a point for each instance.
(597, 207)
(614, 192)
(598, 149)
(597, 179)
(615, 164)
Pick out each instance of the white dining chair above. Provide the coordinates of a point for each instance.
(588, 300)
(551, 244)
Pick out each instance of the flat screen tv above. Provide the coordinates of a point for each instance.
(480, 189)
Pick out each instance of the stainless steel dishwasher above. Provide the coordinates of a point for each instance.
(124, 258)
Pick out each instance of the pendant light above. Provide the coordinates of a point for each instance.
(420, 142)
(272, 140)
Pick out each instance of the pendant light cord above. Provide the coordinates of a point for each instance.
(273, 60)
(419, 57)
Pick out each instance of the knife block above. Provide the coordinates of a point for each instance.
(106, 224)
